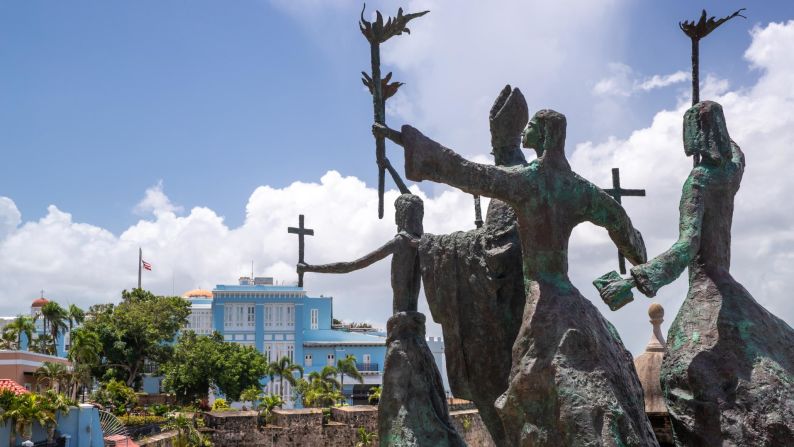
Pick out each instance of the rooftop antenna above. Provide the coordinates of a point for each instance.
(252, 269)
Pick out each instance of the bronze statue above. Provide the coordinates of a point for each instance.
(413, 409)
(728, 374)
(572, 382)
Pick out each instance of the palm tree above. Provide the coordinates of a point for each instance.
(53, 403)
(268, 404)
(285, 369)
(54, 374)
(22, 325)
(76, 316)
(347, 366)
(23, 410)
(84, 352)
(323, 387)
(55, 318)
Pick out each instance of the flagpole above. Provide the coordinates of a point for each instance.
(140, 263)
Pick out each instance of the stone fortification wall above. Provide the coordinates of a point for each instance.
(304, 427)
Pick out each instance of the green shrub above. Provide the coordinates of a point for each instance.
(220, 405)
(133, 420)
(115, 394)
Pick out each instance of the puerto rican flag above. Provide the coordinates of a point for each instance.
(146, 265)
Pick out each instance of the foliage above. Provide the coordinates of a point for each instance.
(466, 422)
(54, 375)
(347, 366)
(55, 318)
(131, 420)
(116, 395)
(75, 316)
(239, 367)
(268, 404)
(13, 331)
(189, 436)
(321, 390)
(365, 438)
(285, 369)
(251, 394)
(202, 362)
(159, 409)
(220, 405)
(21, 411)
(374, 394)
(138, 330)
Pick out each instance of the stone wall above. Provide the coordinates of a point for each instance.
(304, 427)
(165, 439)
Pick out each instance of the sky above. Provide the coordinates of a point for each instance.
(200, 132)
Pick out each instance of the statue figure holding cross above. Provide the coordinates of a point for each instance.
(572, 381)
(413, 408)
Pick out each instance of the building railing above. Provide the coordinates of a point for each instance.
(367, 367)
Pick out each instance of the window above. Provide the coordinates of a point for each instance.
(251, 315)
(268, 351)
(238, 316)
(268, 315)
(307, 360)
(315, 318)
(366, 358)
(330, 360)
(290, 316)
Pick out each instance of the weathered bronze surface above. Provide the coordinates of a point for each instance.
(474, 283)
(412, 410)
(728, 375)
(572, 382)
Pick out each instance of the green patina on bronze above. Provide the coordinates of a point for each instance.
(563, 342)
(720, 388)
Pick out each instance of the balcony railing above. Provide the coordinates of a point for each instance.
(367, 367)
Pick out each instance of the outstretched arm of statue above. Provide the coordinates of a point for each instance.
(604, 211)
(668, 266)
(358, 264)
(425, 159)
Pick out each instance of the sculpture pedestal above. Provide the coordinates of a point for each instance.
(413, 408)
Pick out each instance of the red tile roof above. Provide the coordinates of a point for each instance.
(39, 302)
(8, 384)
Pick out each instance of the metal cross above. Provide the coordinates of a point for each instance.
(617, 192)
(301, 231)
(477, 212)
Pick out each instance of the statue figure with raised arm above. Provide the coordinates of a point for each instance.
(728, 374)
(572, 381)
(474, 283)
(412, 411)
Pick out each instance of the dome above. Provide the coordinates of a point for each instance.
(39, 302)
(197, 293)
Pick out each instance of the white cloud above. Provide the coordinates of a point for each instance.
(624, 82)
(156, 202)
(10, 217)
(659, 81)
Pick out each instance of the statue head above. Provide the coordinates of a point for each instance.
(508, 115)
(409, 212)
(546, 132)
(705, 133)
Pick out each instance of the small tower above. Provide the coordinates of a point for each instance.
(648, 365)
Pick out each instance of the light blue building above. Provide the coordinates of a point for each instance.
(281, 320)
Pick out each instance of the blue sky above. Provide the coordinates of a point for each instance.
(100, 100)
(199, 130)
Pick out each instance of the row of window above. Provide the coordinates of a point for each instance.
(330, 359)
(277, 316)
(247, 295)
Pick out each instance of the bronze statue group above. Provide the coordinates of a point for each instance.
(539, 361)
